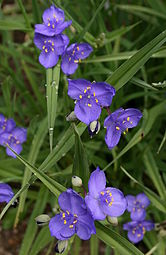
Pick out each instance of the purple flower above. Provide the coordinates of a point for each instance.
(137, 229)
(6, 125)
(52, 48)
(90, 97)
(136, 205)
(74, 218)
(104, 201)
(73, 55)
(118, 122)
(14, 139)
(6, 193)
(54, 24)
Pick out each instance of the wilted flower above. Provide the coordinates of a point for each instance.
(118, 122)
(137, 229)
(136, 205)
(94, 128)
(14, 139)
(104, 201)
(6, 125)
(73, 55)
(74, 218)
(6, 193)
(52, 48)
(54, 24)
(90, 97)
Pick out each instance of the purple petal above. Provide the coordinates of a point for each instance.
(148, 225)
(88, 220)
(60, 230)
(68, 65)
(44, 30)
(16, 147)
(60, 42)
(143, 199)
(83, 50)
(83, 231)
(52, 14)
(93, 205)
(6, 193)
(39, 40)
(20, 134)
(87, 110)
(113, 135)
(130, 202)
(97, 182)
(130, 118)
(103, 93)
(118, 206)
(10, 125)
(135, 237)
(4, 138)
(113, 117)
(49, 59)
(72, 202)
(77, 87)
(61, 27)
(138, 214)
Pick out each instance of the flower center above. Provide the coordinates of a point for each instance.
(67, 216)
(106, 197)
(48, 46)
(12, 139)
(3, 124)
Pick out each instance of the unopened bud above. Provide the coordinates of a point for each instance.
(112, 220)
(61, 246)
(42, 220)
(76, 181)
(15, 203)
(94, 128)
(71, 117)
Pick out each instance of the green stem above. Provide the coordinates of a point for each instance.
(24, 14)
(48, 97)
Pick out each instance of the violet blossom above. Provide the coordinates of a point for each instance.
(137, 229)
(6, 193)
(102, 200)
(90, 97)
(73, 55)
(74, 218)
(53, 22)
(120, 121)
(6, 125)
(137, 205)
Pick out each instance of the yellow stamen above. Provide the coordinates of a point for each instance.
(127, 130)
(102, 193)
(44, 47)
(46, 50)
(128, 118)
(78, 48)
(64, 222)
(52, 49)
(117, 128)
(89, 105)
(110, 204)
(67, 212)
(106, 200)
(94, 94)
(110, 194)
(75, 61)
(80, 96)
(88, 96)
(53, 26)
(88, 88)
(54, 16)
(63, 215)
(96, 100)
(138, 235)
(49, 24)
(75, 215)
(71, 226)
(75, 221)
(84, 90)
(82, 53)
(69, 59)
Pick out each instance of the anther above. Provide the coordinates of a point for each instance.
(69, 59)
(102, 193)
(84, 90)
(67, 212)
(49, 24)
(96, 100)
(78, 48)
(44, 47)
(64, 222)
(88, 88)
(80, 96)
(89, 105)
(88, 96)
(94, 94)
(117, 128)
(128, 118)
(71, 226)
(53, 26)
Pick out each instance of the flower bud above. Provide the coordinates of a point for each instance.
(71, 117)
(61, 246)
(94, 128)
(76, 181)
(15, 203)
(42, 220)
(112, 220)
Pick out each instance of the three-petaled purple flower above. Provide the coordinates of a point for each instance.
(6, 125)
(137, 229)
(136, 205)
(52, 48)
(6, 193)
(90, 98)
(104, 201)
(14, 139)
(54, 24)
(74, 218)
(118, 122)
(73, 55)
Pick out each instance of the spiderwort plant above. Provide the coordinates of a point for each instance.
(137, 229)
(51, 48)
(53, 22)
(6, 193)
(14, 139)
(73, 55)
(102, 200)
(90, 97)
(120, 121)
(137, 206)
(74, 218)
(6, 125)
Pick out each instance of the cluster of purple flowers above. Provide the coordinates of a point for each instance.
(91, 97)
(11, 135)
(53, 44)
(77, 215)
(138, 226)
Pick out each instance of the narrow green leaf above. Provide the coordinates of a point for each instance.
(113, 239)
(13, 25)
(80, 164)
(156, 200)
(127, 70)
(162, 143)
(28, 24)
